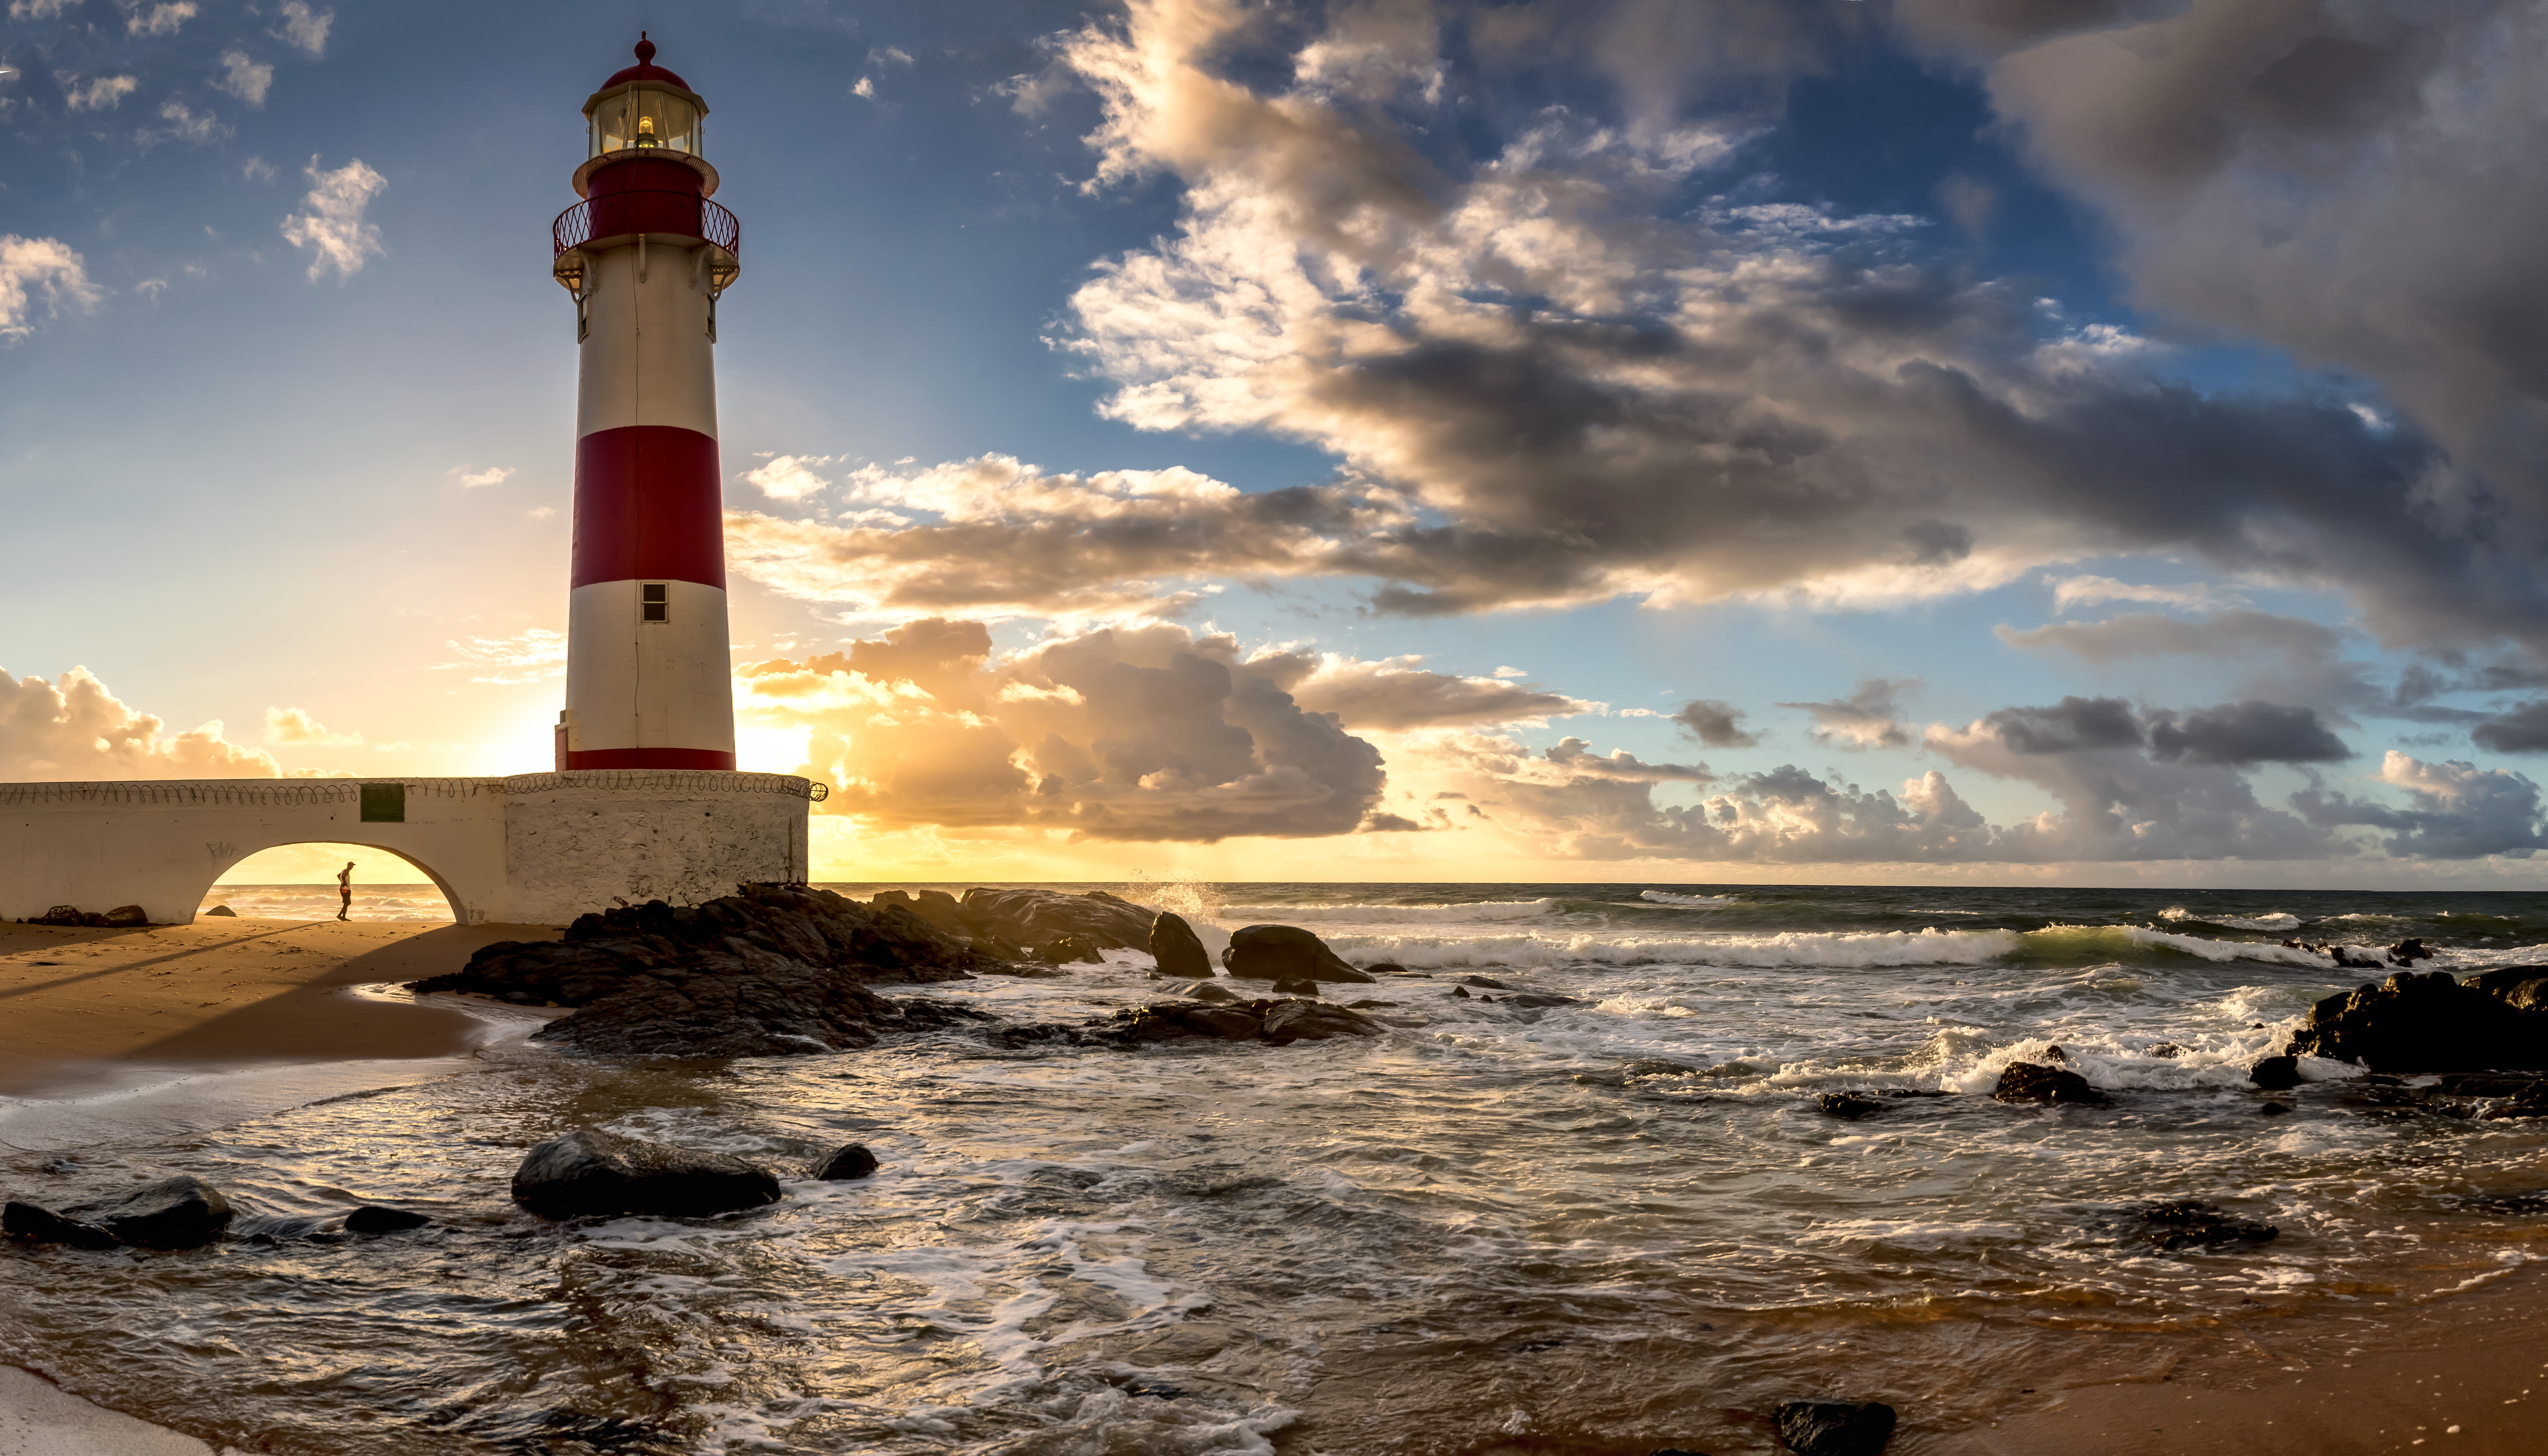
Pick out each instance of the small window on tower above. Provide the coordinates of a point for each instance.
(655, 605)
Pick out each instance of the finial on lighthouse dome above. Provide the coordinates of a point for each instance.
(645, 49)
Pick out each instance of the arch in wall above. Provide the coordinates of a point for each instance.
(452, 895)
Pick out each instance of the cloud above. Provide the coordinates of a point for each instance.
(2145, 634)
(1716, 723)
(789, 476)
(330, 221)
(2458, 811)
(304, 28)
(2073, 592)
(865, 89)
(890, 55)
(73, 728)
(243, 79)
(97, 93)
(530, 656)
(40, 271)
(494, 475)
(2246, 733)
(159, 20)
(183, 126)
(257, 169)
(1864, 720)
(1395, 694)
(2516, 730)
(38, 9)
(1122, 732)
(294, 725)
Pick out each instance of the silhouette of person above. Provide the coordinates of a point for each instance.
(345, 889)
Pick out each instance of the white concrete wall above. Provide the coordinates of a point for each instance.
(534, 848)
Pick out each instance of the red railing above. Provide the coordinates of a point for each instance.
(621, 212)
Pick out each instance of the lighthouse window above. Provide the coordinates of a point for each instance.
(654, 601)
(644, 118)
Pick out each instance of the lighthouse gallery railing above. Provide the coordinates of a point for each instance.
(624, 213)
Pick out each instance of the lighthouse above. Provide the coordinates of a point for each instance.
(646, 256)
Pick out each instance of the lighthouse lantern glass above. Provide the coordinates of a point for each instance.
(646, 117)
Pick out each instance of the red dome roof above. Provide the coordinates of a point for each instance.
(645, 70)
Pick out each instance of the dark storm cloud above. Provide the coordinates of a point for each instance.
(1716, 723)
(2458, 811)
(2066, 727)
(2243, 734)
(2519, 730)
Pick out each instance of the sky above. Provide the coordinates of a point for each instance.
(1995, 441)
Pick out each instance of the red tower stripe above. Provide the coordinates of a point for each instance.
(647, 506)
(647, 758)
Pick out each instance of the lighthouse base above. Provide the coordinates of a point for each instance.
(532, 848)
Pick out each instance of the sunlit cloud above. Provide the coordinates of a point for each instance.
(296, 726)
(41, 273)
(73, 728)
(330, 221)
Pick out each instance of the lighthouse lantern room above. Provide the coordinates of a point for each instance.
(646, 256)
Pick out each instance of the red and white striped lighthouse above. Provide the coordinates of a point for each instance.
(646, 254)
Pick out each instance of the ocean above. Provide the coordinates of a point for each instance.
(1611, 1226)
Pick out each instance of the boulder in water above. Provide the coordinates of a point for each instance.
(1847, 1106)
(2430, 1022)
(2024, 1082)
(852, 1161)
(2193, 1223)
(1835, 1427)
(1267, 953)
(1068, 949)
(1031, 917)
(1487, 981)
(2276, 1073)
(593, 1172)
(183, 1212)
(1315, 1020)
(1295, 985)
(372, 1218)
(1177, 949)
(39, 1224)
(1211, 990)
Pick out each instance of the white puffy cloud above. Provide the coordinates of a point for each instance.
(330, 221)
(2457, 810)
(246, 79)
(304, 26)
(294, 725)
(1396, 693)
(159, 20)
(788, 477)
(183, 124)
(494, 475)
(97, 93)
(41, 272)
(73, 728)
(1122, 732)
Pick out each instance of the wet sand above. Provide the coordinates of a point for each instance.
(76, 1003)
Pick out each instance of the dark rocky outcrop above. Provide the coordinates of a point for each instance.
(222, 910)
(1279, 1021)
(1386, 967)
(1178, 950)
(854, 1160)
(1295, 985)
(2430, 1022)
(126, 917)
(1268, 953)
(1315, 1020)
(2192, 1223)
(1850, 1106)
(1211, 990)
(593, 1172)
(183, 1212)
(1487, 981)
(1835, 1427)
(1031, 917)
(772, 970)
(1068, 949)
(121, 917)
(2276, 1073)
(937, 907)
(37, 1224)
(1538, 1000)
(2024, 1082)
(375, 1218)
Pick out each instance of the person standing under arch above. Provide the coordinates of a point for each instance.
(345, 890)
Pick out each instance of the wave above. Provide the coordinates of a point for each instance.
(1837, 950)
(2094, 942)
(1691, 902)
(2278, 920)
(1488, 911)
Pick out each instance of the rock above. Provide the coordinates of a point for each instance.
(183, 1212)
(372, 1218)
(1295, 985)
(852, 1161)
(1654, 1067)
(936, 908)
(125, 917)
(1537, 999)
(772, 970)
(2024, 1082)
(2055, 1054)
(1068, 949)
(2409, 951)
(39, 1224)
(1460, 992)
(1835, 1427)
(1172, 1021)
(1266, 953)
(61, 915)
(1177, 949)
(2164, 1048)
(1386, 967)
(2429, 1022)
(2276, 1073)
(1029, 916)
(2192, 1223)
(222, 910)
(1367, 1002)
(1315, 1021)
(1850, 1106)
(1488, 982)
(591, 1172)
(2274, 1109)
(1211, 990)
